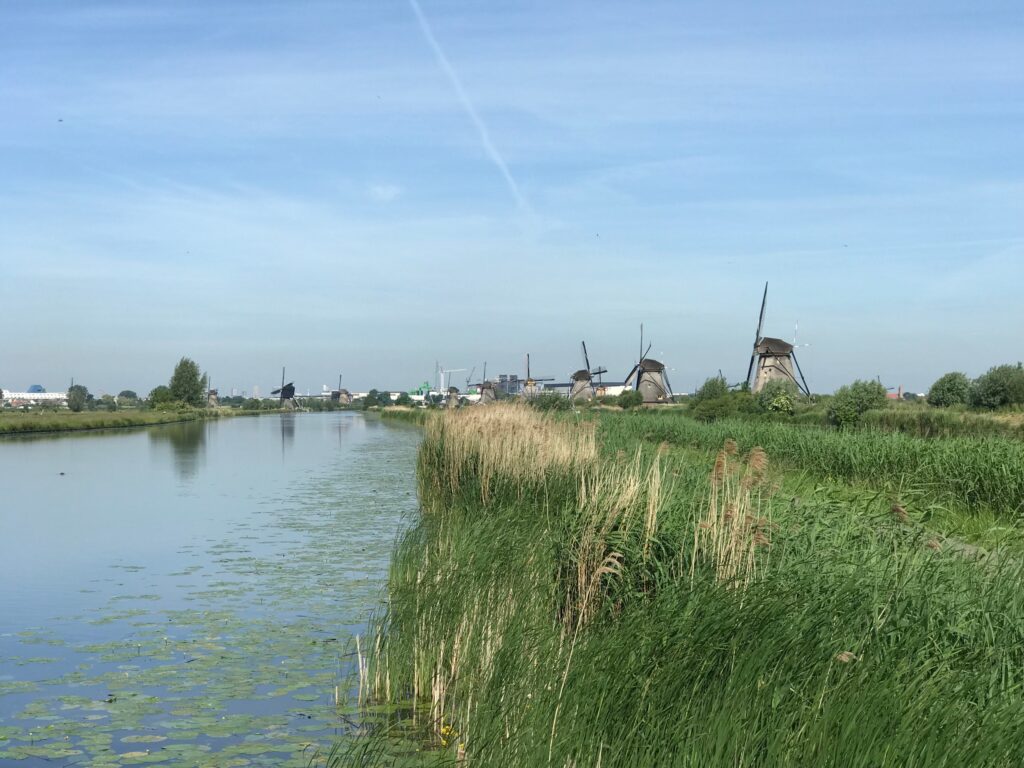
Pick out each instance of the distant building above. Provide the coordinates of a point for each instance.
(9, 397)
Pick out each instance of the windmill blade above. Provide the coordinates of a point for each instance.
(598, 371)
(644, 355)
(760, 318)
(805, 388)
(586, 358)
(527, 366)
(750, 368)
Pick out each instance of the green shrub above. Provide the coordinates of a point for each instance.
(711, 389)
(777, 397)
(851, 401)
(949, 389)
(551, 401)
(999, 387)
(629, 398)
(714, 409)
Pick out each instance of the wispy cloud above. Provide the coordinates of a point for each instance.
(467, 104)
(385, 193)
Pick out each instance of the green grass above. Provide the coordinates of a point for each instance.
(15, 422)
(860, 640)
(975, 474)
(408, 415)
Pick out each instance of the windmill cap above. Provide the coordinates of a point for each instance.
(773, 346)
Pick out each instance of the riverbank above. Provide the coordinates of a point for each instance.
(609, 591)
(38, 422)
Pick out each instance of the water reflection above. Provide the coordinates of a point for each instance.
(187, 442)
(287, 431)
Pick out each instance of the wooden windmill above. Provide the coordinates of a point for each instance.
(530, 388)
(287, 393)
(488, 394)
(773, 359)
(648, 377)
(583, 380)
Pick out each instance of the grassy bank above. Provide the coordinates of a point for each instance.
(416, 416)
(976, 474)
(575, 595)
(15, 423)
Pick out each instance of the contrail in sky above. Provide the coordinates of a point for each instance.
(485, 137)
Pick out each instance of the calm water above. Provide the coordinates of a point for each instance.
(188, 594)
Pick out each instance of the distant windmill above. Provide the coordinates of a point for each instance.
(286, 393)
(583, 380)
(530, 388)
(452, 399)
(773, 359)
(212, 399)
(648, 377)
(341, 396)
(486, 389)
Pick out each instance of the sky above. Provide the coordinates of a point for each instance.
(370, 188)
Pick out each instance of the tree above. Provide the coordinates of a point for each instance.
(949, 389)
(404, 399)
(777, 396)
(108, 402)
(78, 396)
(853, 400)
(1000, 386)
(160, 396)
(711, 389)
(371, 399)
(186, 384)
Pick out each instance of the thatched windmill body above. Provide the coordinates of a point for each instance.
(649, 378)
(582, 389)
(452, 399)
(773, 359)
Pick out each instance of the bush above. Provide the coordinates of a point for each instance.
(711, 389)
(949, 389)
(714, 409)
(629, 398)
(550, 401)
(851, 401)
(777, 397)
(999, 387)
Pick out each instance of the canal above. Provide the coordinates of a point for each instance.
(189, 594)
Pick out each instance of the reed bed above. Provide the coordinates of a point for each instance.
(974, 473)
(617, 603)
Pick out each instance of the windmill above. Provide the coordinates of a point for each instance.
(530, 388)
(583, 380)
(212, 400)
(286, 393)
(341, 396)
(452, 398)
(486, 389)
(648, 377)
(773, 359)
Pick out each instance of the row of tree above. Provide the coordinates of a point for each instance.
(1001, 387)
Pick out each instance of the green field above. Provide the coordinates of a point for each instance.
(641, 589)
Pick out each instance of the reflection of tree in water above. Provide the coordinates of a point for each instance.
(187, 441)
(287, 430)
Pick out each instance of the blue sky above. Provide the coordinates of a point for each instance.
(322, 185)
